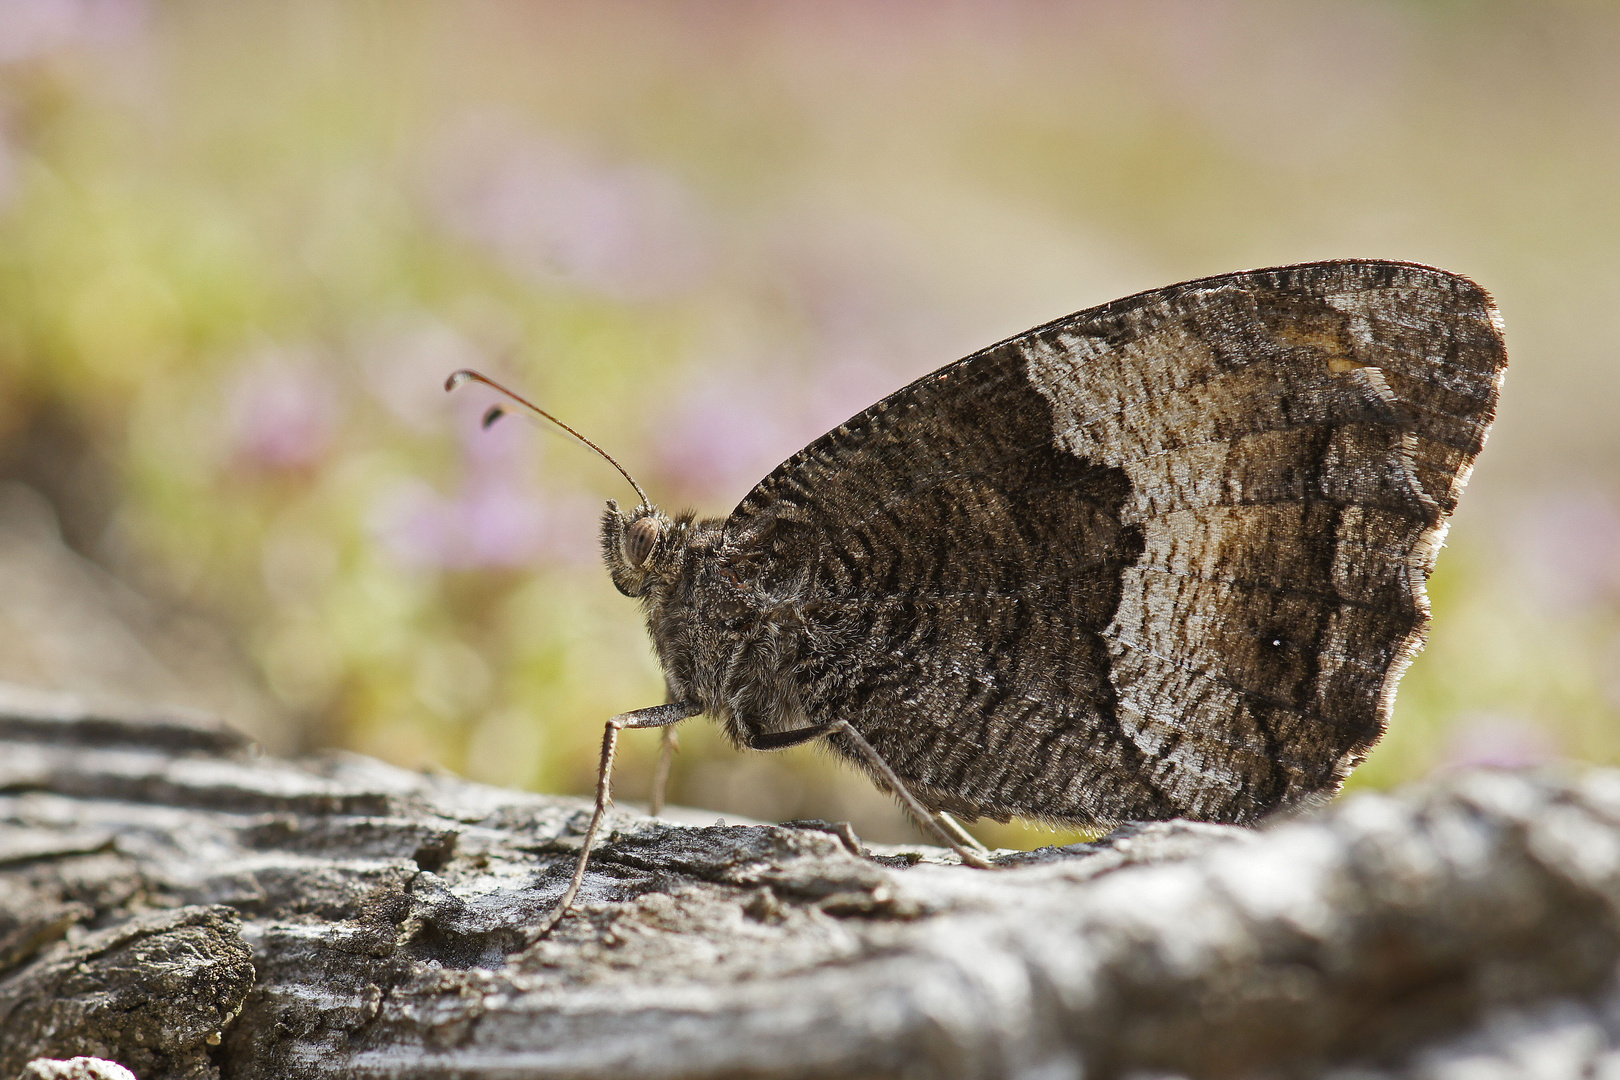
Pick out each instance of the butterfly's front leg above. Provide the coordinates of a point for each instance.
(781, 740)
(667, 746)
(954, 827)
(656, 716)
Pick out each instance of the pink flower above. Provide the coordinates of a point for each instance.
(727, 431)
(549, 211)
(282, 410)
(496, 517)
(493, 524)
(1497, 742)
(30, 28)
(1569, 549)
(405, 362)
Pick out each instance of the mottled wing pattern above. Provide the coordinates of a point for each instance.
(1161, 558)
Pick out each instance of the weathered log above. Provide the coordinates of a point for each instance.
(173, 902)
(79, 1068)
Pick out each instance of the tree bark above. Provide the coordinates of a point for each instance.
(176, 903)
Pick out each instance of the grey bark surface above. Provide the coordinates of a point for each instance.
(79, 1068)
(174, 902)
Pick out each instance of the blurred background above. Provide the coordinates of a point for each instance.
(241, 245)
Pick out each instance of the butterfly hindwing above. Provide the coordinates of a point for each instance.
(1160, 558)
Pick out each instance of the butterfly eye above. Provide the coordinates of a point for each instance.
(639, 540)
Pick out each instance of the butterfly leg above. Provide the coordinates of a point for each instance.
(781, 740)
(963, 837)
(666, 754)
(656, 716)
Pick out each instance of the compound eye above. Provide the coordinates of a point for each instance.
(639, 540)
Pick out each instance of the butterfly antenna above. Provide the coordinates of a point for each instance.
(496, 412)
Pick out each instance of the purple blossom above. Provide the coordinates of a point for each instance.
(552, 212)
(1291, 87)
(490, 523)
(496, 516)
(283, 412)
(728, 429)
(1568, 546)
(848, 385)
(854, 300)
(31, 28)
(1497, 742)
(405, 365)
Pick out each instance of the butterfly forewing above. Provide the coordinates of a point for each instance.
(1160, 558)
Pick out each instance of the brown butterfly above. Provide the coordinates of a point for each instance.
(1162, 558)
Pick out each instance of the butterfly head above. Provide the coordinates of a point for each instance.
(640, 546)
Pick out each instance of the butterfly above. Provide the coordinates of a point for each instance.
(1163, 558)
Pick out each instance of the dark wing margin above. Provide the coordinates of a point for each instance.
(1160, 558)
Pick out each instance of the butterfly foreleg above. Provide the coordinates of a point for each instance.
(656, 716)
(954, 827)
(667, 747)
(781, 740)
